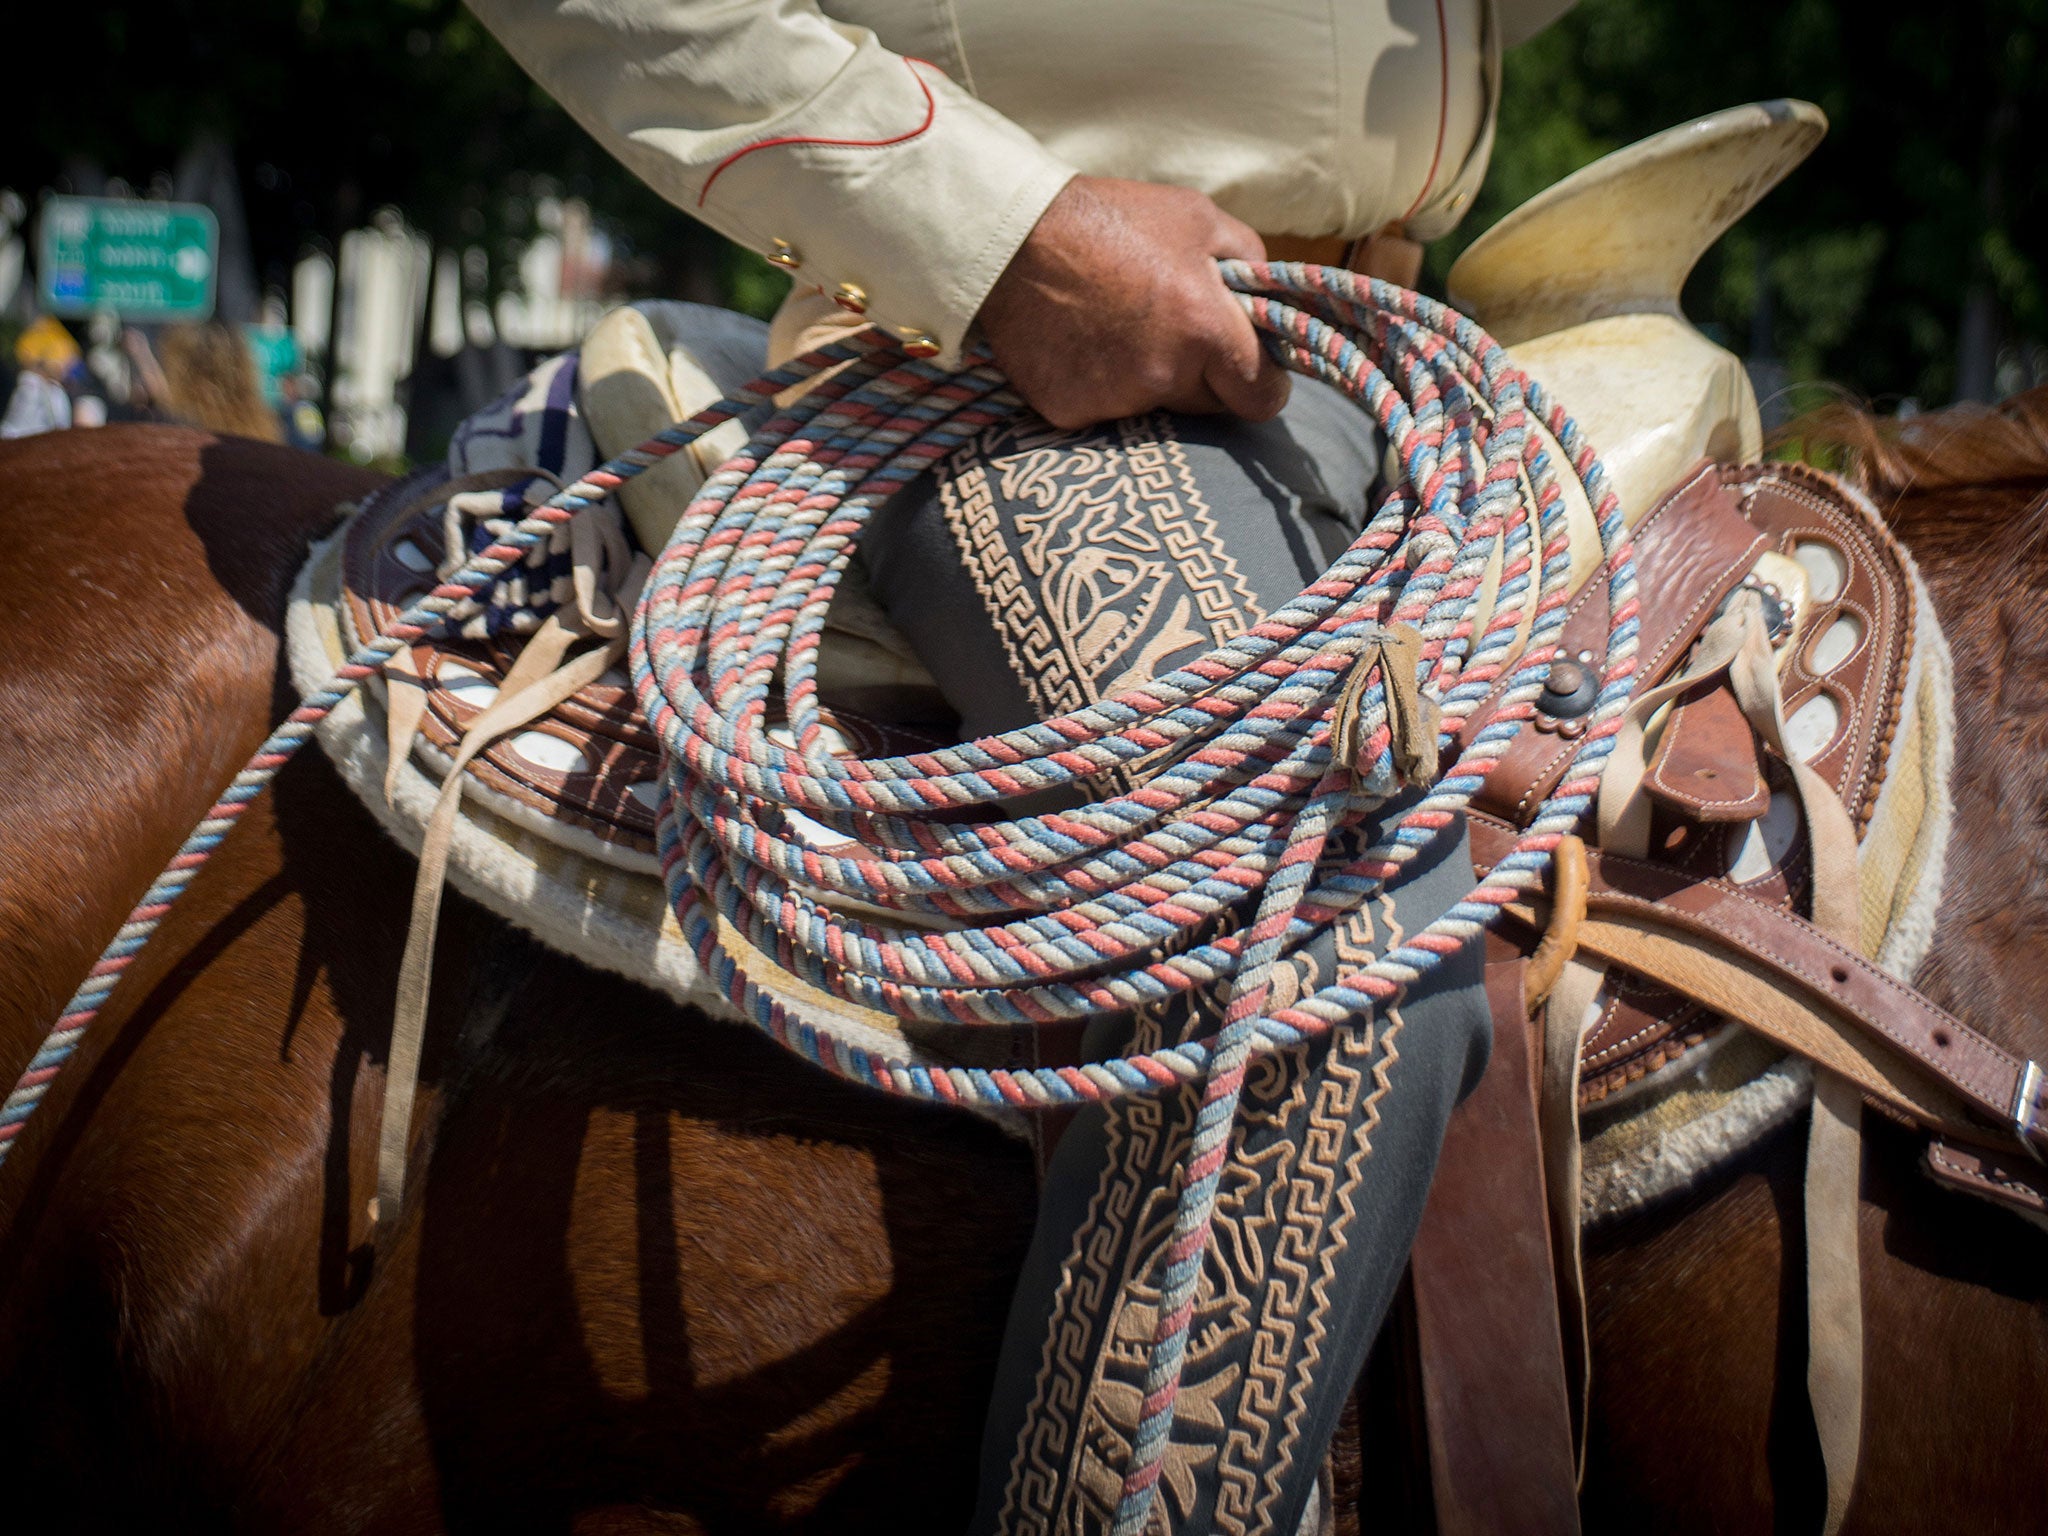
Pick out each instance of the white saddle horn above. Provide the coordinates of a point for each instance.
(1582, 283)
(1621, 236)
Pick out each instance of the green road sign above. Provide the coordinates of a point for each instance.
(143, 260)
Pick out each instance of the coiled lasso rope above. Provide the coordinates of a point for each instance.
(1111, 906)
(1090, 911)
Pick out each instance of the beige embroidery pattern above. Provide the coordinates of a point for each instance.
(1283, 1218)
(1113, 572)
(1117, 572)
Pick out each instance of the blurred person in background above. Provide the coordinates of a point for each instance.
(110, 367)
(304, 426)
(40, 403)
(147, 389)
(210, 381)
(115, 358)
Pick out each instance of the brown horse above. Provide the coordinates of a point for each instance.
(658, 1275)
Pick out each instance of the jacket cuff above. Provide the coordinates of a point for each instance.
(911, 218)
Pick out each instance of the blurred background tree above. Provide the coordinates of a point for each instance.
(333, 109)
(1904, 262)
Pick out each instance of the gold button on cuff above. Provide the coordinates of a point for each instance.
(784, 256)
(851, 297)
(921, 346)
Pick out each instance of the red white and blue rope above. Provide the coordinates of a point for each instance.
(1118, 903)
(1112, 906)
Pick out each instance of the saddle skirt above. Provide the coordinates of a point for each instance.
(1667, 1089)
(1866, 695)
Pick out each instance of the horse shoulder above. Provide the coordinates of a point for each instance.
(141, 603)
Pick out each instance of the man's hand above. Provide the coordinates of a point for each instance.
(1112, 307)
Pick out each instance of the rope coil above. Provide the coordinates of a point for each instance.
(1105, 908)
(1239, 740)
(1085, 912)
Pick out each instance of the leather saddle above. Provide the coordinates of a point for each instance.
(590, 765)
(1725, 865)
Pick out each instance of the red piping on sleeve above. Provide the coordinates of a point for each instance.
(1443, 110)
(931, 109)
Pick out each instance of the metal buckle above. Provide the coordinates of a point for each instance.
(2025, 1109)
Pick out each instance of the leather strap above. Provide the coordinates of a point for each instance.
(1569, 877)
(1706, 766)
(523, 700)
(2001, 1175)
(1834, 1286)
(1853, 991)
(1573, 1007)
(1623, 808)
(1412, 716)
(1486, 1304)
(1691, 550)
(1834, 1145)
(1777, 973)
(607, 580)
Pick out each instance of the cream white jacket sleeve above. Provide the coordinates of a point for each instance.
(773, 124)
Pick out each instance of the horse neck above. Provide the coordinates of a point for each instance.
(1981, 551)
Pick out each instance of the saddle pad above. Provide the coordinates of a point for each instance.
(583, 881)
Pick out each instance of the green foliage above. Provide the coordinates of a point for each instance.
(1931, 180)
(752, 286)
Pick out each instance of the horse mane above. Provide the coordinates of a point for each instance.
(1964, 446)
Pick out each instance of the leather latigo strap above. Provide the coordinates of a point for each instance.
(1707, 765)
(1706, 778)
(1692, 548)
(2008, 1178)
(1782, 976)
(1488, 1325)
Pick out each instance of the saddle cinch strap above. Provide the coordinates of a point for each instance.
(1778, 974)
(1759, 965)
(1735, 658)
(1868, 1036)
(607, 576)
